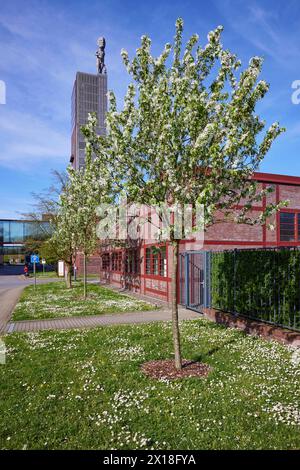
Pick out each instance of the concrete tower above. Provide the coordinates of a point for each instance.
(89, 95)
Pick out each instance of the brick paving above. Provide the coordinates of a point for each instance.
(98, 320)
(12, 286)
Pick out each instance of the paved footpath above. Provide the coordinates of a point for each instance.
(98, 320)
(8, 300)
(11, 287)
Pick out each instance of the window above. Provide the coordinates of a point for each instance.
(163, 262)
(287, 226)
(156, 261)
(14, 254)
(105, 261)
(132, 262)
(6, 231)
(148, 260)
(113, 262)
(116, 261)
(36, 230)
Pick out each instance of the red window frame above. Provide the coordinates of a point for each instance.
(155, 261)
(116, 261)
(296, 239)
(132, 261)
(106, 262)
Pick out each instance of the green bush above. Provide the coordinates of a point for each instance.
(263, 284)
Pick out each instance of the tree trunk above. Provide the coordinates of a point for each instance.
(84, 276)
(175, 325)
(68, 277)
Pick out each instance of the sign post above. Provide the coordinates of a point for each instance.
(34, 259)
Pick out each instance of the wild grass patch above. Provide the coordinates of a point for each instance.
(83, 389)
(53, 300)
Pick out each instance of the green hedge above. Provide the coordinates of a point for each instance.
(262, 284)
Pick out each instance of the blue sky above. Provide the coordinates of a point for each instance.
(43, 43)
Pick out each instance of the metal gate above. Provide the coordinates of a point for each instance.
(194, 280)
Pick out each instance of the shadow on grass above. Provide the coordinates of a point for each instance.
(211, 352)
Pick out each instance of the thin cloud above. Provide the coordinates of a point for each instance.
(27, 140)
(263, 28)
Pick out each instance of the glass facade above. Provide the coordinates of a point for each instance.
(13, 254)
(18, 231)
(13, 235)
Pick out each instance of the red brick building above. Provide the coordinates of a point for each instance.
(146, 269)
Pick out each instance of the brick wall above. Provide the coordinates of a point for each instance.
(93, 264)
(218, 237)
(229, 231)
(292, 193)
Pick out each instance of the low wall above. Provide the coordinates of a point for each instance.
(253, 327)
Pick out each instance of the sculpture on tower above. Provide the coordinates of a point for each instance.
(100, 54)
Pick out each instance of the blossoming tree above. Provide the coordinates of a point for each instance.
(188, 133)
(59, 239)
(62, 242)
(87, 188)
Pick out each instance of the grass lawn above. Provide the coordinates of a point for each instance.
(53, 274)
(89, 276)
(45, 275)
(53, 300)
(83, 389)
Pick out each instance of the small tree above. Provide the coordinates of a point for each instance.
(58, 233)
(87, 188)
(32, 245)
(188, 134)
(47, 204)
(62, 241)
(48, 252)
